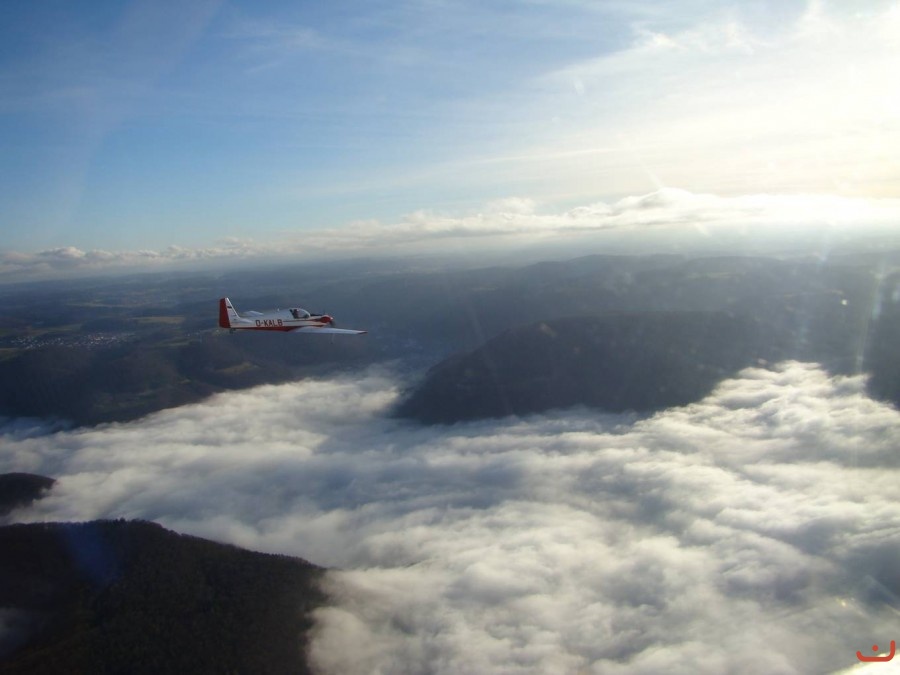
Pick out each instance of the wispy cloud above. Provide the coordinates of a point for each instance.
(69, 260)
(755, 530)
(751, 223)
(726, 102)
(729, 105)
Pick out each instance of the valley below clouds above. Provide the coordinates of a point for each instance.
(757, 530)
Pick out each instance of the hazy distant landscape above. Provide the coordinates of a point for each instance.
(113, 350)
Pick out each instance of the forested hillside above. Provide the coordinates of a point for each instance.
(132, 597)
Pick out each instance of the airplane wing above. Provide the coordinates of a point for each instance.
(326, 329)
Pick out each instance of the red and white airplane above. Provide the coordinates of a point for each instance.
(294, 320)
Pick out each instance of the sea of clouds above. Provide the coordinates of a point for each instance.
(757, 530)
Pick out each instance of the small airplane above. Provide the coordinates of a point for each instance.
(294, 320)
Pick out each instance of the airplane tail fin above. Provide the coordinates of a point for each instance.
(227, 313)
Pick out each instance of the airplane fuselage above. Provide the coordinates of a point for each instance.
(293, 320)
(282, 319)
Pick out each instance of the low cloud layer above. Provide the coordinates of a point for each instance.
(755, 531)
(69, 260)
(671, 217)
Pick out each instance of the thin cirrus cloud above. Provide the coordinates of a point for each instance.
(730, 104)
(754, 531)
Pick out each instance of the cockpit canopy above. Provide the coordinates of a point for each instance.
(299, 313)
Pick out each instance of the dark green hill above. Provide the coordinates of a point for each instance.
(20, 489)
(642, 361)
(132, 597)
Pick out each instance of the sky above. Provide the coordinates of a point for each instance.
(143, 133)
(756, 530)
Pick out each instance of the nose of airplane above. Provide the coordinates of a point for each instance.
(327, 319)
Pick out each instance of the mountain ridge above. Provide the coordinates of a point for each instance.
(619, 361)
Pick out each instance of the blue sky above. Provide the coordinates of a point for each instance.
(175, 128)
